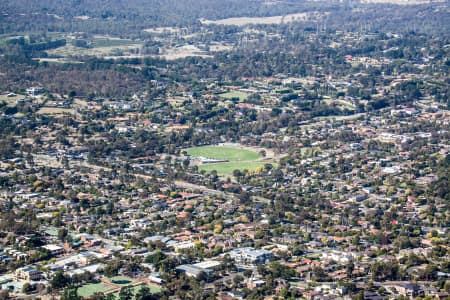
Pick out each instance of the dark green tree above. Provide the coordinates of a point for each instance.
(125, 293)
(71, 293)
(59, 280)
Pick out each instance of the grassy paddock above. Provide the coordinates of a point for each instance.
(237, 159)
(88, 290)
(223, 152)
(101, 42)
(55, 111)
(242, 21)
(10, 101)
(100, 46)
(230, 95)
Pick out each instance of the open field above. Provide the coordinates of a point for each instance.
(10, 100)
(58, 61)
(262, 20)
(55, 111)
(341, 103)
(340, 118)
(103, 41)
(113, 48)
(90, 289)
(182, 52)
(161, 30)
(100, 46)
(4, 38)
(82, 18)
(220, 47)
(234, 94)
(70, 50)
(219, 152)
(237, 157)
(167, 53)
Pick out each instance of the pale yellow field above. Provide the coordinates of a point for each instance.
(263, 20)
(58, 61)
(70, 50)
(160, 30)
(182, 52)
(10, 101)
(55, 111)
(219, 48)
(83, 18)
(340, 102)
